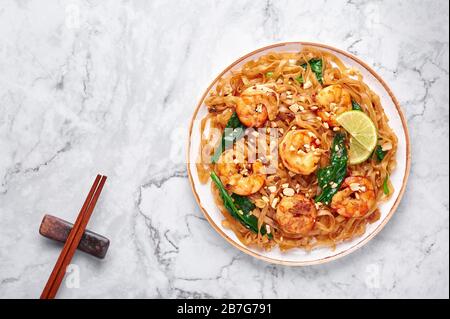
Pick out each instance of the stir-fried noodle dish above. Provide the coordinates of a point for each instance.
(298, 150)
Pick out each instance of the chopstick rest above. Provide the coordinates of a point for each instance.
(58, 229)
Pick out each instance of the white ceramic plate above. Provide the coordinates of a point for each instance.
(299, 257)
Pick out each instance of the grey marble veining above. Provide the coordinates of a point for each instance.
(110, 87)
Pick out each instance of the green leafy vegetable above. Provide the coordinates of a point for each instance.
(233, 131)
(386, 185)
(316, 67)
(240, 207)
(356, 106)
(243, 203)
(299, 79)
(379, 153)
(269, 74)
(331, 177)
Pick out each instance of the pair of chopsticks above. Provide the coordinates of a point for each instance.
(57, 275)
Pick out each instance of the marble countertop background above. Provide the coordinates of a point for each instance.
(109, 87)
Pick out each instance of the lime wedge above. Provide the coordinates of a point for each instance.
(360, 127)
(357, 153)
(363, 132)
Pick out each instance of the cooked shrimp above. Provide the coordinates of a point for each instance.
(299, 151)
(296, 214)
(250, 112)
(238, 175)
(334, 100)
(355, 198)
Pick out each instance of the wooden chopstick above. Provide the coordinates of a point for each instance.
(69, 240)
(76, 241)
(73, 239)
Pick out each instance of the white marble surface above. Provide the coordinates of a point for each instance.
(110, 86)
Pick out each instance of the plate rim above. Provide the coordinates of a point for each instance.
(360, 243)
